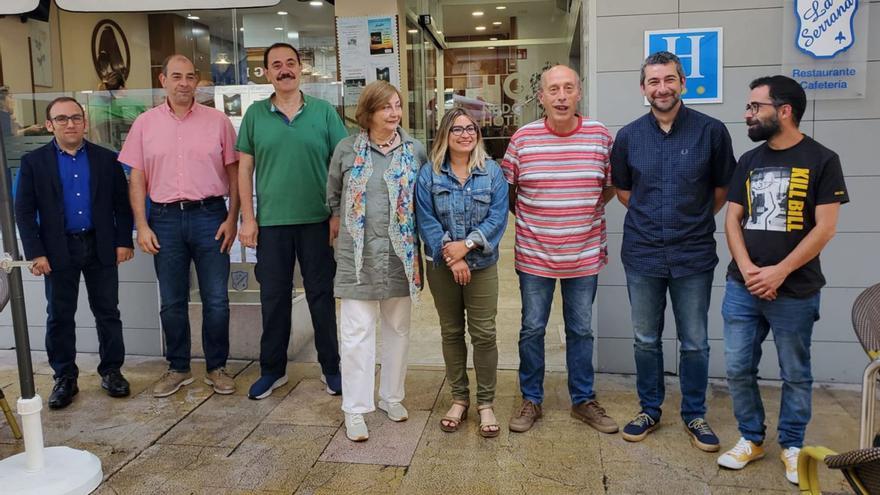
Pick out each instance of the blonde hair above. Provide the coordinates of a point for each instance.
(440, 150)
(375, 96)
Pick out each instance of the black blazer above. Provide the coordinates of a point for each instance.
(39, 206)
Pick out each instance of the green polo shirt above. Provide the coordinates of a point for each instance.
(291, 159)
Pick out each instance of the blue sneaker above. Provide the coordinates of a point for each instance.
(702, 437)
(333, 384)
(637, 429)
(264, 386)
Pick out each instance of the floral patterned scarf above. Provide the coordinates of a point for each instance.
(400, 178)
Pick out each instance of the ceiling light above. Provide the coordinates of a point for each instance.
(493, 39)
(491, 47)
(500, 7)
(279, 28)
(412, 31)
(480, 28)
(478, 13)
(192, 17)
(241, 29)
(316, 3)
(497, 23)
(281, 12)
(439, 32)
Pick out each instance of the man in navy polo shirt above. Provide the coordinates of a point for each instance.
(74, 218)
(671, 168)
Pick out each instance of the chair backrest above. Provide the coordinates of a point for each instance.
(866, 320)
(860, 467)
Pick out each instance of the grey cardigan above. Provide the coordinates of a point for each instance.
(382, 275)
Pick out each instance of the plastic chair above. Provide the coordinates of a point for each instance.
(860, 467)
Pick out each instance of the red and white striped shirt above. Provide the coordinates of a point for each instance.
(560, 217)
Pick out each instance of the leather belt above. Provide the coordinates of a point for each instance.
(188, 205)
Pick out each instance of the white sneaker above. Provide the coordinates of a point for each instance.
(741, 454)
(789, 457)
(356, 428)
(395, 410)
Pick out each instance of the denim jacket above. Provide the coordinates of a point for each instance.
(448, 211)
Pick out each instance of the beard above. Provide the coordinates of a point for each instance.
(762, 131)
(665, 107)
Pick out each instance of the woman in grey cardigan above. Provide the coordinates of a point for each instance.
(370, 190)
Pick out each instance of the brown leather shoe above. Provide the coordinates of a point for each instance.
(221, 381)
(170, 382)
(594, 415)
(523, 420)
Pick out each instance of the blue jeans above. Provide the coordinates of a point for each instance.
(184, 236)
(747, 321)
(690, 303)
(577, 311)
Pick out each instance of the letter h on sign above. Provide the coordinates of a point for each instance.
(700, 51)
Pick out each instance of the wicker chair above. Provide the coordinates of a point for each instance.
(860, 467)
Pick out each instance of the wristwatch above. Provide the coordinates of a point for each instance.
(469, 244)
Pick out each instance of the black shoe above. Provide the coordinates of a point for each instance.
(115, 384)
(63, 391)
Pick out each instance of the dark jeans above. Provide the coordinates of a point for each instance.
(747, 322)
(578, 295)
(690, 304)
(62, 292)
(188, 236)
(278, 250)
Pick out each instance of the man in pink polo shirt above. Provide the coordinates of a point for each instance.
(182, 155)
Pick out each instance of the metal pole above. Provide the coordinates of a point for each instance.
(16, 302)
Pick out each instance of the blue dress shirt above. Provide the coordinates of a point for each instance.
(75, 175)
(672, 176)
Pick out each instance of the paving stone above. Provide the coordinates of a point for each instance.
(273, 459)
(222, 421)
(390, 443)
(364, 479)
(229, 445)
(308, 404)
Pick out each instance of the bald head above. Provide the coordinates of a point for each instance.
(175, 58)
(559, 71)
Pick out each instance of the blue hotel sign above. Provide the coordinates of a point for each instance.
(825, 47)
(700, 51)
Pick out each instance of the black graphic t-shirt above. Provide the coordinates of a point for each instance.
(779, 190)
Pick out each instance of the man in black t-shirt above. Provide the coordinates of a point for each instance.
(784, 200)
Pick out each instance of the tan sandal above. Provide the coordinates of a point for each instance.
(453, 421)
(486, 430)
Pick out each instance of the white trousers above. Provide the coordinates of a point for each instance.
(357, 351)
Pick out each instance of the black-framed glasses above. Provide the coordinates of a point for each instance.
(62, 120)
(458, 130)
(755, 106)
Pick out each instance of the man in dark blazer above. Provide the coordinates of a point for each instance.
(74, 218)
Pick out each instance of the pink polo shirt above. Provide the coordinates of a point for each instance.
(182, 159)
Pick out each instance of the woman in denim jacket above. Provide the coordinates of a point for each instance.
(461, 208)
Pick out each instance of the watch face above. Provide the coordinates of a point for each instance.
(469, 244)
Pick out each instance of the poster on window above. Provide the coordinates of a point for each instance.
(368, 51)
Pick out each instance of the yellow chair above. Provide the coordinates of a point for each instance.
(860, 467)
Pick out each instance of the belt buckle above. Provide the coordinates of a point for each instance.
(182, 205)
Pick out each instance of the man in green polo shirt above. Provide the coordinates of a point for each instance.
(288, 140)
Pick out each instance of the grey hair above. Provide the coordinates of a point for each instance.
(661, 58)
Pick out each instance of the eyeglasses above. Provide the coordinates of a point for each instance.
(62, 120)
(755, 106)
(458, 130)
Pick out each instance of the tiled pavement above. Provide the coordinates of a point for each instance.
(197, 442)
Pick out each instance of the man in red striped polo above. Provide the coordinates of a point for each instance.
(560, 179)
